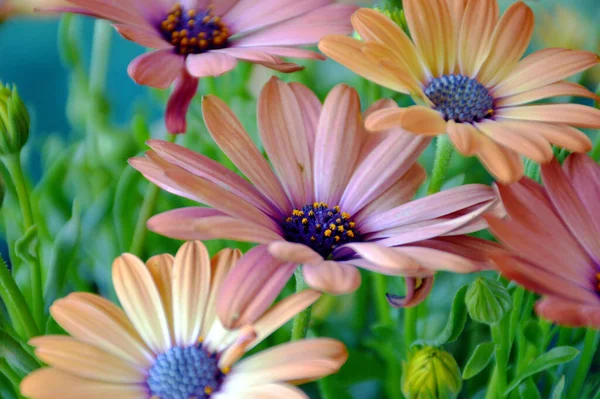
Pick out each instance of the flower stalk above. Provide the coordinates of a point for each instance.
(590, 344)
(302, 319)
(15, 302)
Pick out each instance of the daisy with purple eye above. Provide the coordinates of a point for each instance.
(168, 343)
(200, 38)
(553, 233)
(463, 67)
(334, 196)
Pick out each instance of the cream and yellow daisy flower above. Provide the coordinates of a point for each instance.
(463, 68)
(168, 343)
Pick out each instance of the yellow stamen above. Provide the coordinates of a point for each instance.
(340, 229)
(304, 221)
(332, 226)
(351, 224)
(327, 233)
(350, 234)
(208, 390)
(345, 215)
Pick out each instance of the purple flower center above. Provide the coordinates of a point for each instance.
(321, 228)
(183, 373)
(460, 98)
(194, 31)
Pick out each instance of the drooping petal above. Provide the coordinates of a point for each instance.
(251, 287)
(179, 102)
(423, 120)
(479, 21)
(436, 260)
(284, 137)
(508, 44)
(210, 64)
(333, 278)
(263, 391)
(414, 294)
(156, 69)
(552, 90)
(250, 54)
(338, 143)
(294, 253)
(473, 248)
(303, 30)
(384, 119)
(141, 301)
(86, 361)
(570, 114)
(191, 289)
(569, 313)
(380, 259)
(231, 137)
(463, 136)
(503, 163)
(49, 383)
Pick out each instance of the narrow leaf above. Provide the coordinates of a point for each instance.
(560, 387)
(479, 360)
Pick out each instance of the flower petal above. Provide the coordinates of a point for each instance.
(141, 301)
(210, 64)
(414, 295)
(333, 278)
(503, 163)
(113, 11)
(568, 313)
(311, 108)
(179, 102)
(338, 143)
(436, 260)
(463, 136)
(584, 174)
(156, 69)
(380, 259)
(508, 44)
(191, 288)
(570, 114)
(263, 391)
(552, 90)
(294, 253)
(146, 37)
(161, 269)
(478, 24)
(423, 120)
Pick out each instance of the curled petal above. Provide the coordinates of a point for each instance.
(333, 278)
(179, 102)
(415, 292)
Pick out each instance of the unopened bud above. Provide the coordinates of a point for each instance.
(487, 300)
(14, 121)
(431, 373)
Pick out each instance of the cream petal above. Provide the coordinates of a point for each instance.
(282, 132)
(156, 69)
(85, 361)
(98, 322)
(49, 383)
(332, 277)
(191, 288)
(570, 114)
(294, 253)
(338, 142)
(477, 28)
(463, 136)
(552, 90)
(508, 44)
(141, 301)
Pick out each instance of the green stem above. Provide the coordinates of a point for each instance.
(15, 302)
(300, 326)
(10, 374)
(100, 56)
(15, 169)
(410, 327)
(383, 307)
(443, 156)
(326, 388)
(502, 340)
(515, 314)
(590, 345)
(148, 206)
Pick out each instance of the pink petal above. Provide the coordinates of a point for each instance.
(294, 253)
(584, 174)
(145, 37)
(284, 137)
(154, 172)
(123, 12)
(552, 90)
(436, 260)
(332, 277)
(571, 209)
(569, 313)
(339, 138)
(414, 296)
(381, 259)
(156, 69)
(311, 108)
(285, 67)
(473, 248)
(249, 54)
(251, 287)
(179, 102)
(222, 7)
(304, 30)
(210, 64)
(231, 137)
(291, 52)
(570, 114)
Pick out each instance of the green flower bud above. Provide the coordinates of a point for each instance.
(14, 121)
(431, 373)
(487, 300)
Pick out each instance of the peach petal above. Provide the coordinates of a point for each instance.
(332, 277)
(552, 90)
(161, 269)
(156, 69)
(463, 136)
(570, 114)
(508, 44)
(210, 64)
(475, 36)
(503, 163)
(423, 120)
(263, 391)
(384, 119)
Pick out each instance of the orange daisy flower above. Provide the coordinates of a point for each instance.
(463, 69)
(168, 342)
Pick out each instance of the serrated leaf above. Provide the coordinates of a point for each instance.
(556, 356)
(454, 325)
(479, 360)
(558, 390)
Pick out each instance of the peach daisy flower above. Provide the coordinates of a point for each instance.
(463, 69)
(199, 38)
(554, 235)
(333, 198)
(168, 343)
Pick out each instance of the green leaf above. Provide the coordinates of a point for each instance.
(528, 390)
(479, 360)
(127, 199)
(26, 246)
(556, 356)
(14, 353)
(558, 390)
(533, 333)
(454, 325)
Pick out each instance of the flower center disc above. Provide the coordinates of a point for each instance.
(194, 31)
(321, 228)
(183, 373)
(460, 98)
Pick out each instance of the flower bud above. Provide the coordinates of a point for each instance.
(14, 121)
(487, 300)
(431, 373)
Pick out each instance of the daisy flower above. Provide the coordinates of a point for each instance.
(168, 343)
(199, 38)
(554, 235)
(334, 197)
(463, 67)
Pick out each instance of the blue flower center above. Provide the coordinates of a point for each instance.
(183, 373)
(321, 228)
(194, 31)
(460, 98)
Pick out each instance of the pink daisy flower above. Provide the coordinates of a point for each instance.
(200, 38)
(554, 234)
(334, 198)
